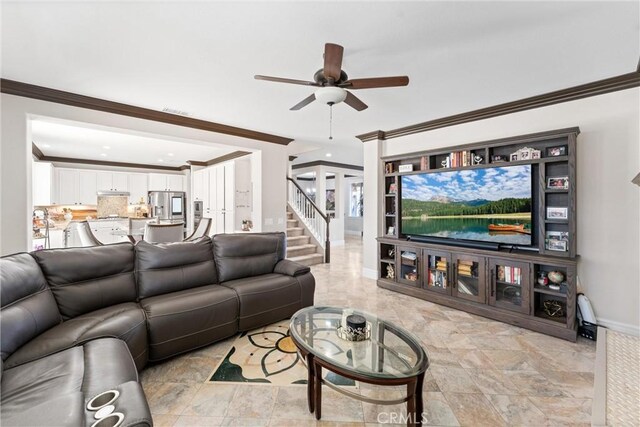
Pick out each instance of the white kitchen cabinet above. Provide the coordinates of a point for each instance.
(217, 190)
(175, 182)
(87, 188)
(41, 184)
(112, 181)
(76, 187)
(67, 186)
(200, 184)
(166, 182)
(138, 188)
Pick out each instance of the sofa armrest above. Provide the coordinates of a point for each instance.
(290, 268)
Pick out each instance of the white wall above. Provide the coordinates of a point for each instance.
(15, 162)
(608, 203)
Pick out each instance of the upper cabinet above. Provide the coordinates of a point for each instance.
(112, 181)
(138, 188)
(76, 187)
(166, 182)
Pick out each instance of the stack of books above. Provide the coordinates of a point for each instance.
(465, 268)
(508, 274)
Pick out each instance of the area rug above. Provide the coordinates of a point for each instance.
(267, 356)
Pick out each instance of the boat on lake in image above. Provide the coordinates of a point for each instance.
(517, 228)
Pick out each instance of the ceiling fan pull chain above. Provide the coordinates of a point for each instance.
(331, 120)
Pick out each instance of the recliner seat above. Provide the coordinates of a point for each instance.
(80, 321)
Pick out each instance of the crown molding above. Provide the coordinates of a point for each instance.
(107, 163)
(325, 163)
(600, 87)
(12, 87)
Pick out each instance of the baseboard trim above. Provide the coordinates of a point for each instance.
(625, 328)
(370, 273)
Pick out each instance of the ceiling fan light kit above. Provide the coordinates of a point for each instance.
(332, 82)
(330, 95)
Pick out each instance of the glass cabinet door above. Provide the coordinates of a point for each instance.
(469, 277)
(509, 285)
(409, 263)
(437, 271)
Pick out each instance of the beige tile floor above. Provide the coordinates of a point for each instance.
(483, 373)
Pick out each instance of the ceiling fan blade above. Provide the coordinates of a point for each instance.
(375, 82)
(333, 61)
(308, 100)
(353, 101)
(284, 80)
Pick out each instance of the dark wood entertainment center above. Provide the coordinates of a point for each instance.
(502, 283)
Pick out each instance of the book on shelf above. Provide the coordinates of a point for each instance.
(510, 274)
(424, 165)
(438, 279)
(388, 168)
(458, 159)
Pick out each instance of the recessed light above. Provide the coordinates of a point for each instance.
(106, 147)
(328, 154)
(46, 145)
(103, 154)
(160, 160)
(170, 154)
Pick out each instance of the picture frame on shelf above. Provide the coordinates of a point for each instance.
(393, 188)
(405, 168)
(536, 154)
(391, 231)
(558, 183)
(499, 158)
(513, 157)
(556, 245)
(560, 150)
(557, 212)
(557, 235)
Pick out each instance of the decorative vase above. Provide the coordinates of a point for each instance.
(68, 216)
(556, 277)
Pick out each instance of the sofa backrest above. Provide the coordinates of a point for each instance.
(27, 305)
(87, 279)
(170, 267)
(246, 255)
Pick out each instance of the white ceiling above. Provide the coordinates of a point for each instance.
(200, 57)
(56, 139)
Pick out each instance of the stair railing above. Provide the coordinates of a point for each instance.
(313, 218)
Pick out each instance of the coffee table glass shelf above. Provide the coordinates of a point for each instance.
(391, 356)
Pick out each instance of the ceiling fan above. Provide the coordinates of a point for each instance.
(332, 82)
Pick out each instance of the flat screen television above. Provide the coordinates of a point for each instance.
(489, 204)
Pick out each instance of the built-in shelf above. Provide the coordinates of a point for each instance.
(548, 291)
(556, 221)
(551, 190)
(388, 260)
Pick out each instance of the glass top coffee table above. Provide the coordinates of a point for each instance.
(390, 355)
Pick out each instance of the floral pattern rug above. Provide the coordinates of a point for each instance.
(268, 356)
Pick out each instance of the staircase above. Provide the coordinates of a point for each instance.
(299, 247)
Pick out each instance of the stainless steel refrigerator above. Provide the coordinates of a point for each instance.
(168, 206)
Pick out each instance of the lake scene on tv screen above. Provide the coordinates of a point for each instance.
(490, 204)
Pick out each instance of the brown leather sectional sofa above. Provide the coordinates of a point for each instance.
(78, 322)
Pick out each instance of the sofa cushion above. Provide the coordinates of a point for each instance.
(266, 299)
(52, 390)
(246, 255)
(87, 279)
(170, 267)
(184, 320)
(28, 307)
(124, 321)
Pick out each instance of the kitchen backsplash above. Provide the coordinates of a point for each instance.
(112, 206)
